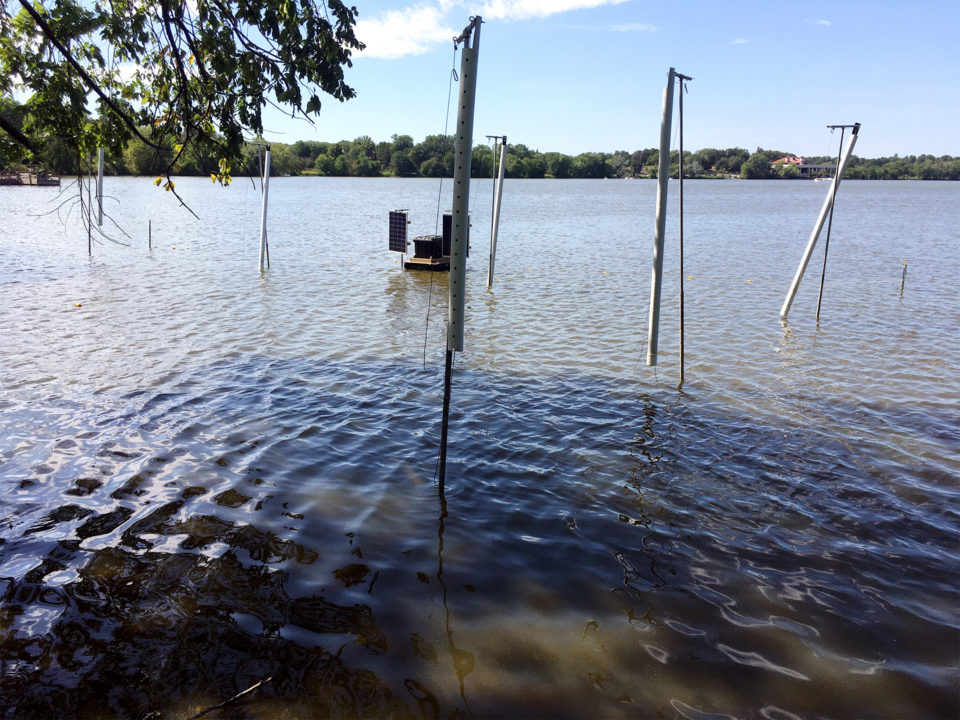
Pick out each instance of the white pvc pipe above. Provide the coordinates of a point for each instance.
(824, 211)
(463, 149)
(663, 177)
(263, 210)
(100, 187)
(495, 221)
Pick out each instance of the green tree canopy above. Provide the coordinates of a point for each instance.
(96, 73)
(756, 166)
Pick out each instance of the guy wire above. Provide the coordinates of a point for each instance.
(436, 226)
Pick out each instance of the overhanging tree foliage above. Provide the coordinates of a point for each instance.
(97, 73)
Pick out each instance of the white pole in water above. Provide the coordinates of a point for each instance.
(89, 204)
(663, 177)
(495, 219)
(463, 149)
(824, 211)
(263, 211)
(100, 187)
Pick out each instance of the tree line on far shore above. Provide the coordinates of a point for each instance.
(434, 157)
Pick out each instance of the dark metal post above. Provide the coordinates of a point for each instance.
(445, 422)
(683, 79)
(826, 242)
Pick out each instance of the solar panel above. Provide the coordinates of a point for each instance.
(448, 234)
(398, 231)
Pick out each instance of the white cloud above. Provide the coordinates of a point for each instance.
(419, 28)
(634, 27)
(527, 9)
(825, 23)
(739, 41)
(411, 31)
(625, 27)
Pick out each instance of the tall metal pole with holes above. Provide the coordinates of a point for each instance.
(818, 226)
(663, 177)
(463, 150)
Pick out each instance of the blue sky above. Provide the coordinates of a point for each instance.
(588, 75)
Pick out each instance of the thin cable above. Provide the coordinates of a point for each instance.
(436, 226)
(446, 125)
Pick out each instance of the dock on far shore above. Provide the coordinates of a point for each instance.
(28, 177)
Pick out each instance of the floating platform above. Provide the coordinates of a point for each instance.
(430, 252)
(435, 264)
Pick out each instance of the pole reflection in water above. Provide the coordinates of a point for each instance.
(463, 660)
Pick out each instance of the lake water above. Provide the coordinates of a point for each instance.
(211, 478)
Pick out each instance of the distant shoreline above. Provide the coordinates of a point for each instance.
(434, 155)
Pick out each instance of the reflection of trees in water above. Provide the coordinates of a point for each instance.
(158, 632)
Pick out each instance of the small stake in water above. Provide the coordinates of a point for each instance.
(903, 277)
(500, 140)
(149, 234)
(818, 226)
(463, 149)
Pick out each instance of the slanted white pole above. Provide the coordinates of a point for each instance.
(100, 187)
(824, 211)
(495, 220)
(263, 210)
(463, 150)
(663, 176)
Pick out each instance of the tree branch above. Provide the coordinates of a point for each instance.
(89, 81)
(12, 131)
